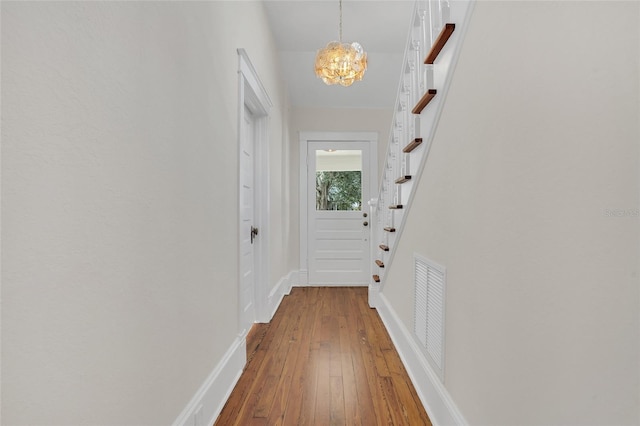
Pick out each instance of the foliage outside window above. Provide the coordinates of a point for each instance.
(339, 190)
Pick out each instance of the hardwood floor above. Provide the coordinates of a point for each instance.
(325, 359)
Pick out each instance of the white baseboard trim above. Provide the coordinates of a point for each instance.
(294, 279)
(207, 403)
(303, 278)
(209, 400)
(374, 291)
(435, 398)
(278, 292)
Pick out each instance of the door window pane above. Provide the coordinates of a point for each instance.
(339, 180)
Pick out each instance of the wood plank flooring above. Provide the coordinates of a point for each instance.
(325, 359)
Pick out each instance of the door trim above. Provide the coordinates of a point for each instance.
(346, 137)
(252, 94)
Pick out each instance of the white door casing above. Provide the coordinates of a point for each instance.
(335, 245)
(253, 170)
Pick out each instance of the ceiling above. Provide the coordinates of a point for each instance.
(301, 27)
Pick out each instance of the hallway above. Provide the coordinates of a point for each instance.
(325, 358)
(122, 234)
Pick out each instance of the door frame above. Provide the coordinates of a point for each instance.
(346, 138)
(252, 94)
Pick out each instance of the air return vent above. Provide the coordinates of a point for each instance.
(428, 323)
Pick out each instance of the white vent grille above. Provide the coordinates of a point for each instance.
(428, 324)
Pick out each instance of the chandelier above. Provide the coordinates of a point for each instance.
(341, 63)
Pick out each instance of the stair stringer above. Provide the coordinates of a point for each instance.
(415, 81)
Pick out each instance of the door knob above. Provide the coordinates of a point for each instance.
(365, 223)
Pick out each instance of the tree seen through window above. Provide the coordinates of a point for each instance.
(339, 190)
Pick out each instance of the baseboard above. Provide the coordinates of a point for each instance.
(207, 403)
(435, 398)
(303, 278)
(374, 291)
(209, 400)
(278, 292)
(303, 281)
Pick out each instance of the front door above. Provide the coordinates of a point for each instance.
(338, 222)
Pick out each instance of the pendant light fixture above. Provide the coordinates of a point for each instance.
(341, 63)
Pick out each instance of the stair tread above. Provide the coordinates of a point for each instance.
(424, 101)
(403, 179)
(412, 145)
(442, 39)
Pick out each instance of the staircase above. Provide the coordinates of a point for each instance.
(433, 46)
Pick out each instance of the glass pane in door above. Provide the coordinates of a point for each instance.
(339, 180)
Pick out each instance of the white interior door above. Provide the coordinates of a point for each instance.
(247, 221)
(338, 188)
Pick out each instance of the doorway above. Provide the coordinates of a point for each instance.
(248, 221)
(253, 196)
(337, 177)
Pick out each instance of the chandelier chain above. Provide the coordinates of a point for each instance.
(340, 21)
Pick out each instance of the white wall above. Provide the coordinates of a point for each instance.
(530, 199)
(119, 203)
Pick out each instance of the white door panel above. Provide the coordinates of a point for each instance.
(343, 224)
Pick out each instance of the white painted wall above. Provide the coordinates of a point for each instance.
(283, 240)
(530, 199)
(119, 203)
